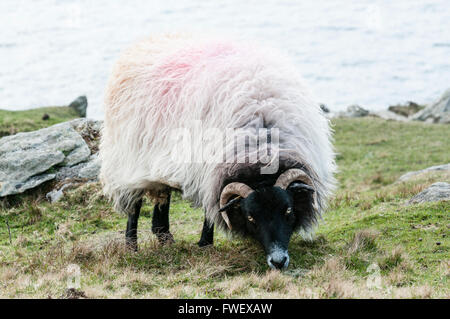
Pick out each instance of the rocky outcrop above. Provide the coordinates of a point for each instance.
(324, 108)
(436, 192)
(357, 111)
(410, 175)
(59, 152)
(389, 115)
(354, 111)
(80, 105)
(407, 109)
(437, 112)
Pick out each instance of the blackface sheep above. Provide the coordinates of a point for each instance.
(266, 161)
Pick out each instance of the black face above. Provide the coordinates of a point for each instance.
(271, 215)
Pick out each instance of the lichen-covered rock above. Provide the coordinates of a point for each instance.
(57, 152)
(25, 155)
(80, 105)
(89, 131)
(324, 108)
(437, 112)
(19, 187)
(352, 111)
(407, 109)
(436, 192)
(92, 168)
(56, 194)
(88, 170)
(409, 175)
(17, 168)
(388, 115)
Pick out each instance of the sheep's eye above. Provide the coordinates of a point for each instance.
(288, 211)
(251, 219)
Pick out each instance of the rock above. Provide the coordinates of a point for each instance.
(437, 112)
(436, 192)
(62, 151)
(91, 170)
(353, 111)
(56, 195)
(30, 183)
(74, 176)
(80, 105)
(406, 110)
(25, 155)
(85, 171)
(89, 131)
(409, 175)
(17, 168)
(388, 115)
(324, 108)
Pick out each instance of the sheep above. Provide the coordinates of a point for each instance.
(255, 106)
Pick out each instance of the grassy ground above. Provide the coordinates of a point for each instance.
(370, 244)
(12, 122)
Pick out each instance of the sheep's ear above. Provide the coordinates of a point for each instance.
(298, 187)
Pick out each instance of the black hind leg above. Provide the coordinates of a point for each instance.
(132, 225)
(207, 237)
(160, 222)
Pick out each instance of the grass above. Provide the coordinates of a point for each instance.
(12, 122)
(369, 244)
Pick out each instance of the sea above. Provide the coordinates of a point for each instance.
(373, 53)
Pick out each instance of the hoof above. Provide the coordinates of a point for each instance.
(204, 243)
(132, 246)
(165, 238)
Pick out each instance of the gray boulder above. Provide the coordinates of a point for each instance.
(352, 111)
(407, 109)
(409, 175)
(58, 152)
(72, 177)
(91, 170)
(86, 170)
(389, 115)
(437, 112)
(89, 131)
(80, 105)
(324, 108)
(56, 194)
(436, 192)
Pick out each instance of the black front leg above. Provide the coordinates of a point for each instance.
(132, 225)
(160, 222)
(207, 237)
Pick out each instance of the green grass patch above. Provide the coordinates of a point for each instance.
(12, 122)
(368, 223)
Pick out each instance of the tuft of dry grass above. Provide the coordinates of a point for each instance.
(393, 259)
(34, 213)
(363, 240)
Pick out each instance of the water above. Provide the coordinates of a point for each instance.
(374, 53)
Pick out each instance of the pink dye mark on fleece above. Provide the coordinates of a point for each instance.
(175, 68)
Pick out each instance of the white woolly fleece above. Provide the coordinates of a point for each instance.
(169, 82)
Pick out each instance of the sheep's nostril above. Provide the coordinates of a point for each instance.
(278, 258)
(278, 264)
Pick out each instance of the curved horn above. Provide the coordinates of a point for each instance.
(292, 175)
(230, 190)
